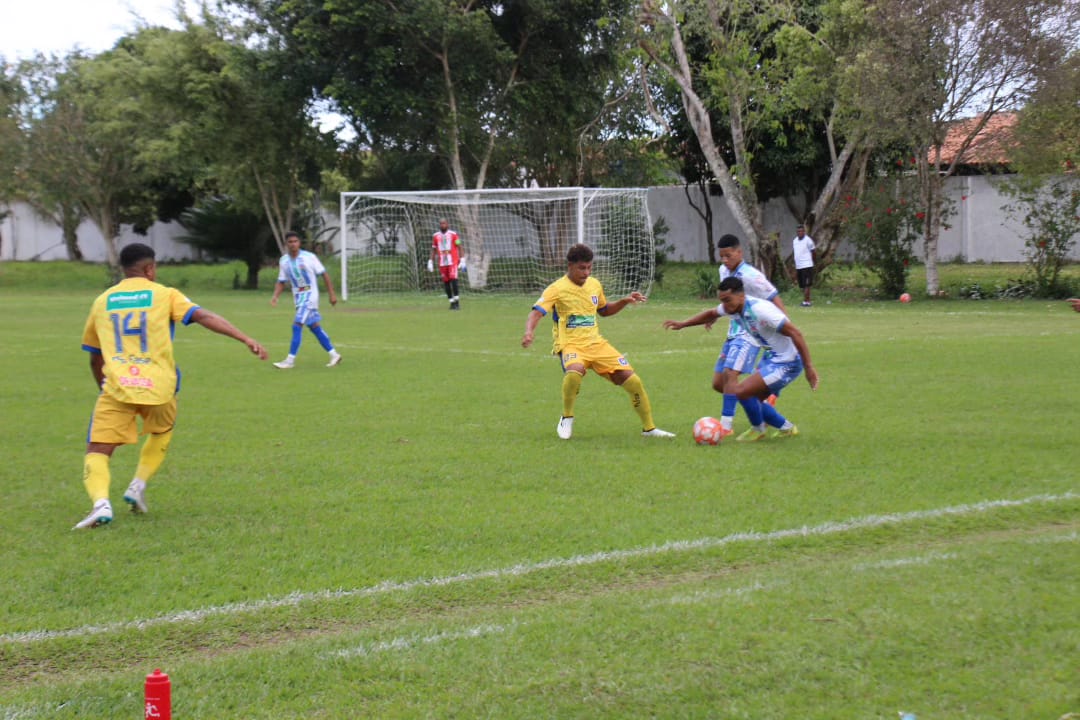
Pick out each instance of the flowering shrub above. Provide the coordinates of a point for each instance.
(1050, 210)
(882, 227)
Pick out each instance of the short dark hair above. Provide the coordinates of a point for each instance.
(731, 284)
(135, 253)
(727, 241)
(293, 234)
(800, 227)
(579, 253)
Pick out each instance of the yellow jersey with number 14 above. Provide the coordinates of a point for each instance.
(131, 326)
(575, 311)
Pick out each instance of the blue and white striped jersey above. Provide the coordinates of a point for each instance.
(302, 274)
(762, 321)
(754, 283)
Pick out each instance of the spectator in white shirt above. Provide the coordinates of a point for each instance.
(802, 246)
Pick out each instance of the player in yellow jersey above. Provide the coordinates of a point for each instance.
(576, 301)
(129, 335)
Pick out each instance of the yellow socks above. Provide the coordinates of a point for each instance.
(640, 400)
(96, 476)
(152, 455)
(571, 384)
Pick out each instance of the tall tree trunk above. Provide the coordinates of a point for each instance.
(69, 224)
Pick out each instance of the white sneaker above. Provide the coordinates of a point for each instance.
(657, 432)
(565, 428)
(335, 358)
(284, 364)
(100, 515)
(135, 496)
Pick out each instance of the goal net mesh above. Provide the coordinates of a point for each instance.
(512, 240)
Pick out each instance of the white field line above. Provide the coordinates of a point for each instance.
(904, 562)
(405, 643)
(1067, 537)
(395, 586)
(704, 596)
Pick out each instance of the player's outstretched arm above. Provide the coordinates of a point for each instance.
(1075, 302)
(613, 307)
(218, 324)
(705, 317)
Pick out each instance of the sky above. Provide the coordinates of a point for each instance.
(57, 26)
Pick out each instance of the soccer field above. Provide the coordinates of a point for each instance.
(404, 536)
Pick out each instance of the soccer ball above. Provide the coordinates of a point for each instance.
(707, 431)
(905, 298)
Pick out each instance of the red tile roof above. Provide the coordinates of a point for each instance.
(991, 146)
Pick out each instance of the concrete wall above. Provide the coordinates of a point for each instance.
(26, 236)
(980, 230)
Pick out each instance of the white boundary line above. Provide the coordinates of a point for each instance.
(406, 643)
(393, 586)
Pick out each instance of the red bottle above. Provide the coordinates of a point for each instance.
(158, 696)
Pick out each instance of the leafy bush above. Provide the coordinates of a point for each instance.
(882, 227)
(1050, 210)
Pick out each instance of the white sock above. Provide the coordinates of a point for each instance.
(727, 421)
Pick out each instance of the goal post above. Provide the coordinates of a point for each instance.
(513, 240)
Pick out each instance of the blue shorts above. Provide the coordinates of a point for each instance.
(737, 354)
(778, 375)
(307, 316)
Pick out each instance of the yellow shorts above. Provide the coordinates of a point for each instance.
(113, 421)
(601, 357)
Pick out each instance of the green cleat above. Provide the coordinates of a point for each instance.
(790, 432)
(750, 435)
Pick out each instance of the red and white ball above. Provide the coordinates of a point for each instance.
(707, 431)
(905, 298)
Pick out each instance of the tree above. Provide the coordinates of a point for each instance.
(50, 128)
(960, 60)
(11, 140)
(1048, 132)
(220, 228)
(239, 118)
(743, 71)
(464, 93)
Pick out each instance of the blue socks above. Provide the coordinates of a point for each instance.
(323, 338)
(297, 335)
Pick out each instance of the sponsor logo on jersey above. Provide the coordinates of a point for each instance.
(580, 321)
(129, 300)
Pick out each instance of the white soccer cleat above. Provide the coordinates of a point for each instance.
(100, 515)
(335, 359)
(135, 496)
(565, 428)
(657, 432)
(284, 364)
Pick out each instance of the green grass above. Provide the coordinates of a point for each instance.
(404, 536)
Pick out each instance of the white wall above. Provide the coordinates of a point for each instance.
(980, 230)
(26, 236)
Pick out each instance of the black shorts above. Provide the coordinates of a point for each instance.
(805, 276)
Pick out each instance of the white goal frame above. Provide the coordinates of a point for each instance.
(513, 240)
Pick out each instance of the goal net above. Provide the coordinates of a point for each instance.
(512, 240)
